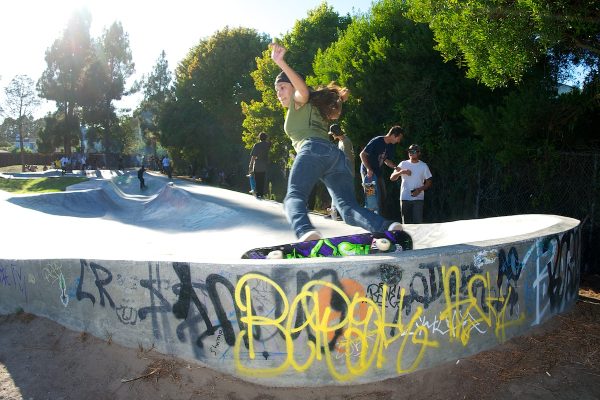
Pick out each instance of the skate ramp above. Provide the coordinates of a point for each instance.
(162, 268)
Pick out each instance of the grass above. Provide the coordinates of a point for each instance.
(16, 169)
(36, 185)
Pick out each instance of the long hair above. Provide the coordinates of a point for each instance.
(328, 100)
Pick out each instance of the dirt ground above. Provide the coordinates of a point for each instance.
(40, 359)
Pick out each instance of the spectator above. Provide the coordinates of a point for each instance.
(259, 160)
(166, 164)
(416, 178)
(375, 154)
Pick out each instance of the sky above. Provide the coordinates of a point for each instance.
(29, 27)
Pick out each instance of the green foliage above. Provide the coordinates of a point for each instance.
(55, 131)
(395, 77)
(202, 122)
(67, 60)
(157, 90)
(84, 76)
(499, 41)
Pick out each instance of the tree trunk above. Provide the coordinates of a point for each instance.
(21, 144)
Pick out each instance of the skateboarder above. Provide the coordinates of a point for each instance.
(141, 177)
(317, 158)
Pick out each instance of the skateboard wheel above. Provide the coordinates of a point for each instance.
(275, 254)
(383, 244)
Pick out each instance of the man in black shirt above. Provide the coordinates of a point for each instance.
(259, 160)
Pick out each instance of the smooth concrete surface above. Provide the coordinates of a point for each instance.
(161, 268)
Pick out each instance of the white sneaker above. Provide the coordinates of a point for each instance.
(395, 226)
(310, 235)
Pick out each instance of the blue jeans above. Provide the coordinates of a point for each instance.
(320, 159)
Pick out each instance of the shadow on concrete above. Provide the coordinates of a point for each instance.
(162, 206)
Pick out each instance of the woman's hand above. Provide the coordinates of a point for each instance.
(277, 52)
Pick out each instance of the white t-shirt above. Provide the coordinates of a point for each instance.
(419, 173)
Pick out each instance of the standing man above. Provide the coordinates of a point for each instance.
(166, 162)
(64, 163)
(344, 144)
(375, 154)
(259, 160)
(416, 178)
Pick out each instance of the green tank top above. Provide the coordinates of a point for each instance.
(304, 123)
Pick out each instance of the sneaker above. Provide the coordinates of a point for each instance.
(310, 235)
(395, 226)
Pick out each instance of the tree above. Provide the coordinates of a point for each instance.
(103, 82)
(67, 60)
(157, 91)
(202, 123)
(499, 41)
(21, 101)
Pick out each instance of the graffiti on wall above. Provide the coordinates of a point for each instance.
(282, 320)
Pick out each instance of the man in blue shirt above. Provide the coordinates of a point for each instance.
(375, 154)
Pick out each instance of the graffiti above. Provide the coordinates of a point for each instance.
(362, 320)
(187, 297)
(465, 313)
(556, 273)
(484, 258)
(375, 292)
(100, 283)
(126, 315)
(215, 347)
(346, 321)
(52, 273)
(509, 268)
(14, 277)
(4, 277)
(326, 246)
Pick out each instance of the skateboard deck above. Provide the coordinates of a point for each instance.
(339, 246)
(371, 196)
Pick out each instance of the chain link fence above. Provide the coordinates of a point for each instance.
(566, 184)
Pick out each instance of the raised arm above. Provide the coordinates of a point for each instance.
(301, 91)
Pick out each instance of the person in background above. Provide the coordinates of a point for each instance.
(141, 177)
(416, 178)
(376, 153)
(64, 163)
(345, 145)
(166, 163)
(259, 160)
(308, 115)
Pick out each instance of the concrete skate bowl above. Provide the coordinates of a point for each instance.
(468, 286)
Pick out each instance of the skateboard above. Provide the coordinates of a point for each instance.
(339, 246)
(371, 196)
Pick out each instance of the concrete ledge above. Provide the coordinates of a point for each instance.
(469, 286)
